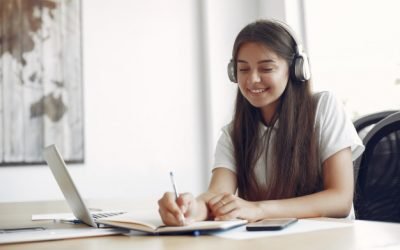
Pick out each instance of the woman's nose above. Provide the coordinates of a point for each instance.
(254, 77)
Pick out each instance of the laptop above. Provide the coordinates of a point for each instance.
(68, 188)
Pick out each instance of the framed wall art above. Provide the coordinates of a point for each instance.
(41, 93)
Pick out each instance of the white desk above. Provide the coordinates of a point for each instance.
(362, 235)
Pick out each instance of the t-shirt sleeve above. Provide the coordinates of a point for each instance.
(224, 156)
(337, 131)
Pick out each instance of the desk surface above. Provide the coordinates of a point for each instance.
(362, 235)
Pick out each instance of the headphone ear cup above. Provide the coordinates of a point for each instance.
(232, 71)
(301, 69)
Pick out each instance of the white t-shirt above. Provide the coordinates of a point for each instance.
(336, 132)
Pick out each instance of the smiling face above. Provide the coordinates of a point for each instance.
(262, 77)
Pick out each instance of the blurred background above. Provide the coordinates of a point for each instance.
(156, 92)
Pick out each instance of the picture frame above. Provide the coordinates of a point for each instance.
(41, 92)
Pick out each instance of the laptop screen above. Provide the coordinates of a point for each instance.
(66, 184)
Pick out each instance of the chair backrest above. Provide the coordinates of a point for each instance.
(377, 195)
(364, 122)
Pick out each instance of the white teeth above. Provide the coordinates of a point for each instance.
(257, 91)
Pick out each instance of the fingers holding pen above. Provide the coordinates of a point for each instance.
(168, 218)
(188, 206)
(170, 211)
(177, 209)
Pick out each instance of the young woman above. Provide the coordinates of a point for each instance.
(287, 152)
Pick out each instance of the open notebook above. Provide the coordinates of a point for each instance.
(148, 222)
(154, 225)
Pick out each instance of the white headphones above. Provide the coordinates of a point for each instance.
(300, 68)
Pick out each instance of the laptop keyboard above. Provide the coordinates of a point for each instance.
(104, 215)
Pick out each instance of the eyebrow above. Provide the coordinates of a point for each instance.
(259, 62)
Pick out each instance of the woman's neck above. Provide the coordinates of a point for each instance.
(268, 113)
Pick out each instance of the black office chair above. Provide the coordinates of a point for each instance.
(377, 194)
(365, 123)
(370, 119)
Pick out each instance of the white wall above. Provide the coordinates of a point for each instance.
(156, 94)
(356, 56)
(224, 19)
(139, 96)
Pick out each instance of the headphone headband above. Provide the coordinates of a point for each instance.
(300, 68)
(291, 33)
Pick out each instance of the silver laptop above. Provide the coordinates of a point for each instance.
(71, 193)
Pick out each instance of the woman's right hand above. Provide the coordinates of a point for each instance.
(177, 212)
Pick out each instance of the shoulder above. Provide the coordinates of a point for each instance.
(227, 129)
(335, 128)
(326, 104)
(225, 136)
(224, 151)
(323, 95)
(324, 99)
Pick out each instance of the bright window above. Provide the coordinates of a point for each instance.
(354, 48)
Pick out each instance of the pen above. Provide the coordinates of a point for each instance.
(171, 175)
(69, 221)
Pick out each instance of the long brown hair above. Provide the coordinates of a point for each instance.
(295, 169)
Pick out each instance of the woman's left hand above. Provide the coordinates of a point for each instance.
(228, 207)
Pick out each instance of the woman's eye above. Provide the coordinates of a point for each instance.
(243, 69)
(266, 69)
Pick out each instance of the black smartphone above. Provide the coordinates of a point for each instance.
(270, 224)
